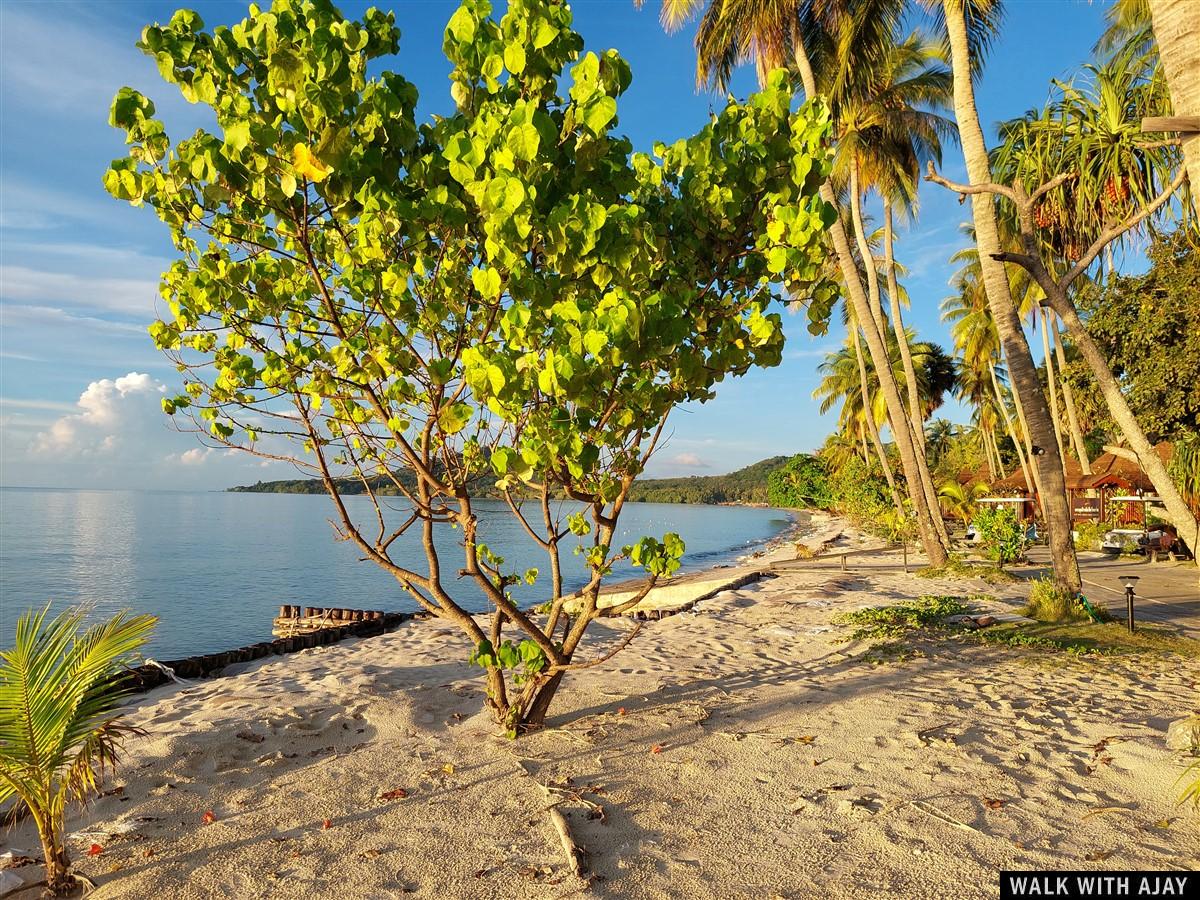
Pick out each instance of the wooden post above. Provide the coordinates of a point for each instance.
(843, 562)
(904, 544)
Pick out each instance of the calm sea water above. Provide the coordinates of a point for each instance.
(214, 567)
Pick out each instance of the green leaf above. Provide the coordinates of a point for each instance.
(523, 141)
(514, 58)
(461, 25)
(454, 418)
(599, 113)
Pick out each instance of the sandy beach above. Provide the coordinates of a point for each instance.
(735, 750)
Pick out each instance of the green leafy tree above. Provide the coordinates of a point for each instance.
(1000, 534)
(506, 290)
(1148, 327)
(803, 482)
(59, 724)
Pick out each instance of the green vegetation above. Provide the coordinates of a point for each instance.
(1001, 536)
(896, 621)
(1148, 327)
(802, 482)
(746, 485)
(59, 724)
(1088, 639)
(507, 292)
(1049, 603)
(957, 567)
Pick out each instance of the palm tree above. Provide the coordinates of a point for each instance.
(1177, 32)
(1087, 144)
(797, 32)
(961, 21)
(59, 724)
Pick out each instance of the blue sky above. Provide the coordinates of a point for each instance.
(79, 379)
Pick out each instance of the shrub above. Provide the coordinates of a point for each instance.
(803, 482)
(1049, 604)
(861, 495)
(893, 621)
(1000, 534)
(1088, 535)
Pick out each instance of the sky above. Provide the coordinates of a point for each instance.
(80, 381)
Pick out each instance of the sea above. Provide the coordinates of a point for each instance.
(214, 567)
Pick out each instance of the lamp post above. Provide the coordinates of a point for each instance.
(1130, 582)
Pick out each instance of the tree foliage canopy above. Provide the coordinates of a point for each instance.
(508, 289)
(1149, 329)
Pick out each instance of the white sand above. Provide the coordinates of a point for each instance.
(787, 766)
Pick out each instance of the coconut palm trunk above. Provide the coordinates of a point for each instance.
(869, 419)
(898, 422)
(1022, 461)
(910, 374)
(1177, 33)
(935, 546)
(1022, 371)
(1072, 410)
(1051, 382)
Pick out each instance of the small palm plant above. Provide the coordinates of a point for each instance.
(59, 724)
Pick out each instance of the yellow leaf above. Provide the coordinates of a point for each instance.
(307, 165)
(448, 768)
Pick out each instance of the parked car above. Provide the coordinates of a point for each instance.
(1135, 540)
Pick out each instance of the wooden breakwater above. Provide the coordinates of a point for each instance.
(293, 620)
(349, 623)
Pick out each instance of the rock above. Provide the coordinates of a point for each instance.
(1184, 734)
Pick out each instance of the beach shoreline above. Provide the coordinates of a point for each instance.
(736, 749)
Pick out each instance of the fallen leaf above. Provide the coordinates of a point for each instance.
(149, 852)
(370, 853)
(657, 748)
(326, 824)
(805, 739)
(448, 768)
(95, 850)
(1162, 823)
(209, 817)
(395, 794)
(621, 711)
(992, 802)
(250, 736)
(1099, 855)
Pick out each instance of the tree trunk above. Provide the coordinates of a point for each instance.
(1072, 411)
(1177, 33)
(869, 420)
(925, 484)
(1032, 469)
(1051, 383)
(1177, 510)
(1022, 371)
(935, 546)
(1012, 434)
(535, 716)
(59, 881)
(910, 373)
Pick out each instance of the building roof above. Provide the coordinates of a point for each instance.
(1110, 470)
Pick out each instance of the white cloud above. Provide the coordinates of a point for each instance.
(10, 403)
(113, 413)
(108, 294)
(688, 460)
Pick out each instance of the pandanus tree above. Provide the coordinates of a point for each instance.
(504, 295)
(60, 722)
(1085, 155)
(826, 45)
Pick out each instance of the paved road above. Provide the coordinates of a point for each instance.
(1165, 592)
(1168, 593)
